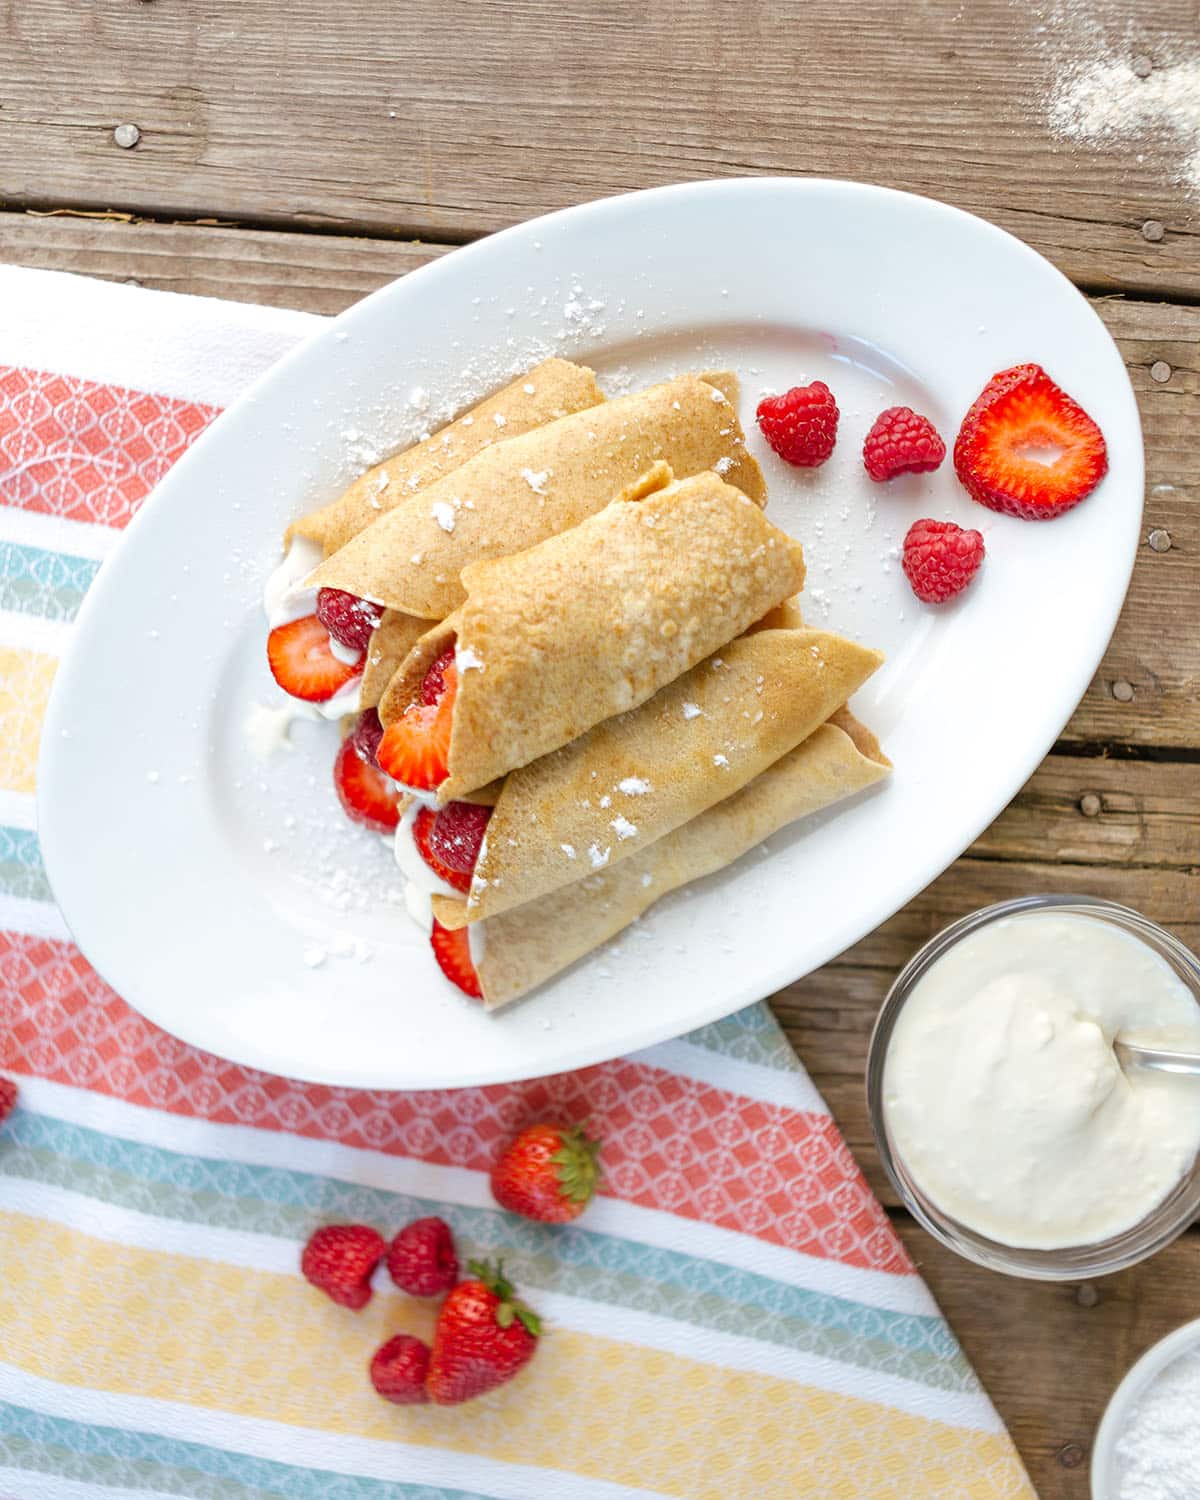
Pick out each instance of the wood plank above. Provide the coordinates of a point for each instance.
(1050, 1358)
(312, 273)
(450, 121)
(1156, 647)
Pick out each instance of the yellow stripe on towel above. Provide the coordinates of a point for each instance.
(265, 1345)
(25, 678)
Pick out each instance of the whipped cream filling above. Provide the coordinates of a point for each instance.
(349, 656)
(286, 599)
(421, 884)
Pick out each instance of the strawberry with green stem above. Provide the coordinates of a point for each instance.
(484, 1335)
(550, 1173)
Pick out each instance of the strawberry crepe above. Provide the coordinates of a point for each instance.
(583, 627)
(553, 389)
(515, 952)
(634, 778)
(526, 489)
(337, 648)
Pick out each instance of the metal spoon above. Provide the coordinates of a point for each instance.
(1130, 1055)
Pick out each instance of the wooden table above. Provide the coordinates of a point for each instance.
(302, 153)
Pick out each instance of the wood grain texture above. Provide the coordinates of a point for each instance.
(1050, 1360)
(1156, 646)
(313, 273)
(449, 120)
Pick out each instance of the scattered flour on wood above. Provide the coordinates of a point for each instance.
(1111, 88)
(1108, 103)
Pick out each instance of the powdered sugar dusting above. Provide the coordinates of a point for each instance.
(443, 514)
(1159, 1451)
(467, 659)
(536, 479)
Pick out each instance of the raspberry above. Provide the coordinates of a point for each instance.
(365, 736)
(433, 684)
(422, 1260)
(800, 425)
(8, 1098)
(339, 1259)
(901, 441)
(457, 835)
(940, 559)
(348, 619)
(399, 1368)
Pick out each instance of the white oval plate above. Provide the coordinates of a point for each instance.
(233, 904)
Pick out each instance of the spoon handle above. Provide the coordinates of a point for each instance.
(1136, 1056)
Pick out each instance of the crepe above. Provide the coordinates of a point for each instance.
(550, 390)
(631, 780)
(519, 492)
(593, 622)
(529, 945)
(391, 641)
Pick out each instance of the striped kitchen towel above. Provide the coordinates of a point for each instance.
(732, 1318)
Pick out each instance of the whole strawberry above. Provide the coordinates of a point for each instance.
(901, 441)
(549, 1173)
(399, 1368)
(940, 559)
(8, 1098)
(484, 1335)
(801, 425)
(421, 1260)
(339, 1259)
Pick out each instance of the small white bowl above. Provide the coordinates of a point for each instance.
(1105, 1474)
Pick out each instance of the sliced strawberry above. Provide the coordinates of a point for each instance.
(366, 794)
(423, 826)
(433, 684)
(453, 953)
(415, 749)
(302, 663)
(457, 836)
(1019, 413)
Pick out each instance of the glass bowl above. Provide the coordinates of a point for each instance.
(1072, 1263)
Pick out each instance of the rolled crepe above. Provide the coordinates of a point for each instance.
(391, 641)
(633, 779)
(550, 390)
(525, 947)
(519, 492)
(593, 622)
